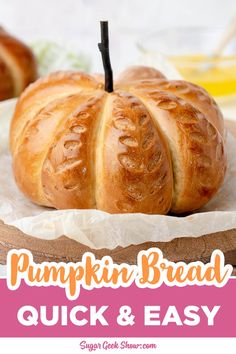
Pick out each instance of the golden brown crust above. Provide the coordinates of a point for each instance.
(134, 172)
(192, 94)
(200, 99)
(42, 92)
(137, 73)
(68, 175)
(36, 140)
(100, 78)
(6, 82)
(151, 146)
(197, 149)
(19, 60)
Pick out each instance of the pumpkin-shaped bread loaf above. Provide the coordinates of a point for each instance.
(150, 146)
(17, 66)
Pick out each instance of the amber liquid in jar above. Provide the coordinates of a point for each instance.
(216, 75)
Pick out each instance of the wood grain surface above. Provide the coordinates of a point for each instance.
(64, 249)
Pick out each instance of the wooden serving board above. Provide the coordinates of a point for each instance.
(64, 249)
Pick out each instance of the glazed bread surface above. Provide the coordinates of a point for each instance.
(17, 66)
(152, 146)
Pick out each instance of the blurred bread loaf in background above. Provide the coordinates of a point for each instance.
(18, 67)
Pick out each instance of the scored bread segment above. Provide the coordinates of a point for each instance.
(191, 93)
(133, 164)
(41, 93)
(199, 98)
(39, 136)
(68, 172)
(197, 148)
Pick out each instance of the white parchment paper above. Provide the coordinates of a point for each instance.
(98, 229)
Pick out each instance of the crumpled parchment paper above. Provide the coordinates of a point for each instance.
(98, 229)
